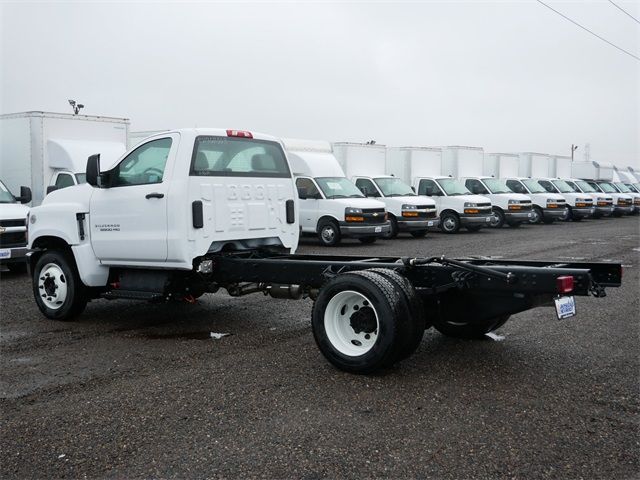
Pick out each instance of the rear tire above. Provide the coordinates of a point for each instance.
(418, 233)
(57, 288)
(450, 223)
(329, 233)
(470, 330)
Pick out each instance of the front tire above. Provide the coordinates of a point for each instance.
(536, 215)
(57, 288)
(329, 233)
(393, 229)
(450, 223)
(499, 218)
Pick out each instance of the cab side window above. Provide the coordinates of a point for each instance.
(429, 188)
(64, 180)
(476, 187)
(145, 165)
(516, 186)
(307, 189)
(367, 187)
(547, 186)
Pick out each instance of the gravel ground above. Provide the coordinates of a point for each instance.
(137, 390)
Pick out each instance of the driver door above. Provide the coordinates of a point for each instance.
(309, 206)
(128, 218)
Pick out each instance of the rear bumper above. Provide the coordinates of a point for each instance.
(518, 216)
(355, 231)
(476, 220)
(16, 254)
(554, 212)
(583, 212)
(413, 225)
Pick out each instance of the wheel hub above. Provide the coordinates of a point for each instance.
(52, 286)
(363, 320)
(328, 233)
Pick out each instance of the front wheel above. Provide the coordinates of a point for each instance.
(329, 233)
(498, 218)
(393, 229)
(536, 215)
(57, 288)
(450, 223)
(469, 330)
(418, 233)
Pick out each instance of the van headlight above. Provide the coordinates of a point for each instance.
(470, 204)
(514, 202)
(352, 211)
(409, 207)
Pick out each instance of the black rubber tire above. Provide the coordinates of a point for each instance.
(393, 319)
(473, 228)
(569, 216)
(418, 233)
(17, 267)
(368, 240)
(501, 218)
(537, 219)
(418, 318)
(326, 239)
(393, 229)
(451, 218)
(514, 224)
(77, 293)
(470, 330)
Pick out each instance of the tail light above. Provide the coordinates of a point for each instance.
(564, 284)
(239, 133)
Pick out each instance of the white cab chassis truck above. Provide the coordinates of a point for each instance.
(508, 207)
(192, 211)
(330, 205)
(365, 165)
(13, 228)
(547, 207)
(47, 151)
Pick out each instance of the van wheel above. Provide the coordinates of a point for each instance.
(329, 233)
(498, 218)
(393, 229)
(568, 215)
(57, 288)
(368, 240)
(361, 322)
(536, 215)
(470, 330)
(418, 233)
(450, 223)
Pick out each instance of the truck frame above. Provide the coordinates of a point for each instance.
(368, 312)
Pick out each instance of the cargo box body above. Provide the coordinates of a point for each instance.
(501, 165)
(409, 163)
(360, 158)
(458, 161)
(592, 170)
(534, 165)
(560, 166)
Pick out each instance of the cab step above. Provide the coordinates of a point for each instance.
(132, 295)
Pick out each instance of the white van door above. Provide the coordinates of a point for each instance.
(309, 204)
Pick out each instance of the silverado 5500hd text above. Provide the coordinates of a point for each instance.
(191, 211)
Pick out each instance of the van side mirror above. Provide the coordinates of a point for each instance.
(25, 195)
(93, 170)
(51, 188)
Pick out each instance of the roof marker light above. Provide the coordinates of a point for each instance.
(239, 133)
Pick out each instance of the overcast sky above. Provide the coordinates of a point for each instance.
(507, 76)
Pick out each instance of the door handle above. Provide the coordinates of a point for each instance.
(154, 195)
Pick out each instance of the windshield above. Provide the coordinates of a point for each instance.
(394, 187)
(495, 185)
(563, 186)
(585, 187)
(637, 185)
(452, 187)
(622, 187)
(5, 195)
(607, 187)
(534, 186)
(338, 187)
(81, 177)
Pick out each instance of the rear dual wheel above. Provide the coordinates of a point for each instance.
(368, 320)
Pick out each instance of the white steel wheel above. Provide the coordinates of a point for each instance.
(52, 286)
(351, 323)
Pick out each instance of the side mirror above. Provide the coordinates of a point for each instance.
(25, 195)
(302, 193)
(93, 170)
(51, 188)
(414, 189)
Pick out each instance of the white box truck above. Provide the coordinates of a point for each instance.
(560, 167)
(365, 165)
(621, 182)
(600, 176)
(534, 165)
(501, 165)
(42, 150)
(456, 206)
(330, 205)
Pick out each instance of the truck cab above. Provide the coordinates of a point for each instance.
(408, 212)
(508, 207)
(13, 228)
(622, 202)
(547, 207)
(623, 188)
(456, 205)
(579, 206)
(603, 203)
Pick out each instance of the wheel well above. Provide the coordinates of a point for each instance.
(453, 212)
(47, 243)
(326, 218)
(495, 207)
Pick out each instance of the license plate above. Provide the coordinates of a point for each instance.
(378, 229)
(5, 253)
(429, 224)
(565, 307)
(488, 219)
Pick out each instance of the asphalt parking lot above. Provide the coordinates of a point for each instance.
(139, 390)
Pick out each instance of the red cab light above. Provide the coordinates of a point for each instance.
(564, 284)
(239, 133)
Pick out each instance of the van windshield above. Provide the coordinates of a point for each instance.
(452, 187)
(5, 195)
(394, 187)
(495, 185)
(338, 187)
(585, 187)
(622, 187)
(607, 187)
(563, 186)
(533, 186)
(81, 178)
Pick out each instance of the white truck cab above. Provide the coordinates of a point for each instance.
(13, 228)
(330, 205)
(508, 207)
(603, 203)
(622, 183)
(579, 206)
(408, 212)
(457, 206)
(547, 207)
(622, 202)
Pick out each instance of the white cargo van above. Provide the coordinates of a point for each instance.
(600, 176)
(330, 205)
(13, 228)
(365, 165)
(579, 206)
(547, 207)
(620, 181)
(456, 206)
(508, 207)
(603, 203)
(47, 151)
